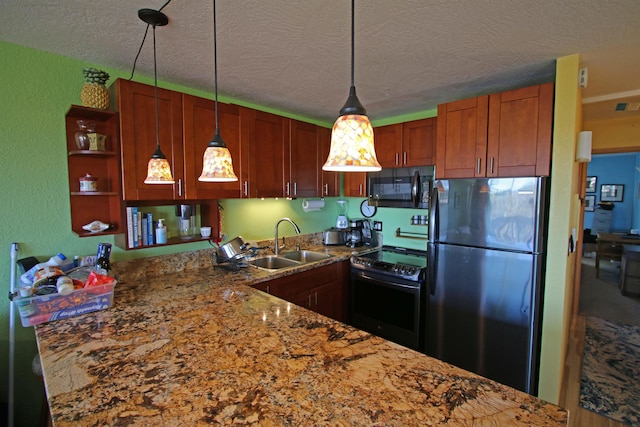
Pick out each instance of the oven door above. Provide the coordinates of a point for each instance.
(388, 307)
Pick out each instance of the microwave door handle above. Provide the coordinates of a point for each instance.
(415, 188)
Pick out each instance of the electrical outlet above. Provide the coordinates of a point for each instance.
(377, 225)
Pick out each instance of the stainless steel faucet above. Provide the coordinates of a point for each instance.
(295, 226)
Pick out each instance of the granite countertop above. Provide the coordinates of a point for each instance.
(201, 347)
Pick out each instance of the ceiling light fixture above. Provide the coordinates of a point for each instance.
(352, 148)
(216, 164)
(158, 169)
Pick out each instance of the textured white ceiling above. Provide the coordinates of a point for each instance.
(294, 56)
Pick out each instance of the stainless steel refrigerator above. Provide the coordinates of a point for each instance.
(487, 244)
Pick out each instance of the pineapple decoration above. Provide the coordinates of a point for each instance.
(94, 91)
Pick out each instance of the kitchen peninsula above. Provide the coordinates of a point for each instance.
(200, 346)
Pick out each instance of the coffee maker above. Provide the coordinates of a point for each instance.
(354, 233)
(360, 233)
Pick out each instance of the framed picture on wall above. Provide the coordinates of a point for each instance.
(591, 184)
(589, 203)
(611, 192)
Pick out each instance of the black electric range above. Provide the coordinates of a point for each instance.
(393, 261)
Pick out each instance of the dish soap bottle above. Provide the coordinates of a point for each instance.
(161, 232)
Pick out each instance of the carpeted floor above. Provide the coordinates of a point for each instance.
(611, 360)
(602, 298)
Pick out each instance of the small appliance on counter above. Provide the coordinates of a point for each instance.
(354, 234)
(342, 222)
(334, 237)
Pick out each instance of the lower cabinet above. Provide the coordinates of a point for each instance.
(322, 289)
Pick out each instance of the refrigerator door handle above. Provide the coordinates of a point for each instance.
(433, 216)
(432, 267)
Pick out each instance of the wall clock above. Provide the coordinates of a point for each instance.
(366, 209)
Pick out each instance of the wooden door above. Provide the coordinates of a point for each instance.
(388, 144)
(304, 170)
(419, 142)
(330, 180)
(520, 132)
(136, 105)
(199, 126)
(462, 138)
(267, 160)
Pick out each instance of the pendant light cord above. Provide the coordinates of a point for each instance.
(155, 85)
(215, 61)
(353, 20)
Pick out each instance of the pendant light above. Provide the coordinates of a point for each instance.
(158, 169)
(216, 164)
(352, 148)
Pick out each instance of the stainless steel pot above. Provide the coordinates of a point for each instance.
(233, 249)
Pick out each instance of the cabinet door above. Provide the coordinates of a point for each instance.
(388, 143)
(136, 105)
(520, 126)
(304, 172)
(199, 126)
(462, 138)
(330, 180)
(266, 143)
(355, 184)
(419, 142)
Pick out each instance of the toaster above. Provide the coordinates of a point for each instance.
(333, 237)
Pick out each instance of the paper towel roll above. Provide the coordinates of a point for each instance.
(312, 205)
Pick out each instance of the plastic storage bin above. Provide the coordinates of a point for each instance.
(46, 308)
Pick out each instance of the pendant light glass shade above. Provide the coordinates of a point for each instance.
(216, 164)
(352, 148)
(158, 168)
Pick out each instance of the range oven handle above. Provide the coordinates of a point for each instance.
(415, 189)
(388, 282)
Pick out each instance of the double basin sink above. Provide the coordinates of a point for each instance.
(288, 260)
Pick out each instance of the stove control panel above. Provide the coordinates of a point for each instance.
(408, 272)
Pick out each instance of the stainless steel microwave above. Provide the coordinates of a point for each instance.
(401, 187)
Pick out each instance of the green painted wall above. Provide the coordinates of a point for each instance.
(37, 89)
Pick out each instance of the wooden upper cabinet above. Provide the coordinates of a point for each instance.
(304, 167)
(388, 144)
(520, 132)
(330, 185)
(462, 138)
(507, 134)
(355, 184)
(267, 134)
(136, 105)
(419, 142)
(406, 144)
(199, 127)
